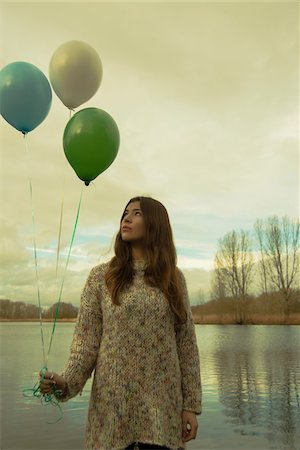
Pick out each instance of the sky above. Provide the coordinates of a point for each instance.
(206, 99)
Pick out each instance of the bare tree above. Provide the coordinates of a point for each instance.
(262, 267)
(17, 310)
(219, 289)
(233, 268)
(65, 311)
(279, 245)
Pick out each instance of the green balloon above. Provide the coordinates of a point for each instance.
(91, 142)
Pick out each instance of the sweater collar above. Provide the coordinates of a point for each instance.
(139, 265)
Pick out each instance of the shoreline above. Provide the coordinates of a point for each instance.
(37, 320)
(210, 319)
(252, 319)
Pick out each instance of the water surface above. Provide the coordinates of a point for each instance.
(250, 377)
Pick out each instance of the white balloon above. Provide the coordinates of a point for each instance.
(75, 73)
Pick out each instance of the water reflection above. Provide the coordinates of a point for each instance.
(250, 380)
(259, 386)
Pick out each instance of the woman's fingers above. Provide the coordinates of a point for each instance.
(46, 386)
(47, 382)
(189, 426)
(46, 375)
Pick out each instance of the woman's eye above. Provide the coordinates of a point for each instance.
(136, 213)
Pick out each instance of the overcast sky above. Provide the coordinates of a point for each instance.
(205, 96)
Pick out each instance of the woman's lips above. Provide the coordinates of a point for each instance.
(126, 229)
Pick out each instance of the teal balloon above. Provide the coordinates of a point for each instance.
(91, 142)
(25, 95)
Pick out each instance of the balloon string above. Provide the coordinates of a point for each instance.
(71, 111)
(35, 250)
(52, 398)
(59, 232)
(64, 274)
(46, 399)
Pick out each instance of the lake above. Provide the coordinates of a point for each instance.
(250, 377)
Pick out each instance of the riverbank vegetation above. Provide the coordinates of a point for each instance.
(22, 311)
(266, 261)
(261, 310)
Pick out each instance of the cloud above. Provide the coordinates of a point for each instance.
(205, 97)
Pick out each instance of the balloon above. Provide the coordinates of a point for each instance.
(91, 142)
(25, 95)
(75, 73)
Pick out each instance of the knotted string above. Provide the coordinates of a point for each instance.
(46, 399)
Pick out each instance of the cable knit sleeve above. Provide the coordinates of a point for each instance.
(189, 358)
(86, 339)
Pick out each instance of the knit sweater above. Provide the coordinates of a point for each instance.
(146, 367)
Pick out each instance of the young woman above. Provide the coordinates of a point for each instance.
(136, 333)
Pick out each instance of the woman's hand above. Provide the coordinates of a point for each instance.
(189, 425)
(52, 380)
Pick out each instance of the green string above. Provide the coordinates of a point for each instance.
(46, 399)
(50, 398)
(59, 234)
(64, 274)
(35, 251)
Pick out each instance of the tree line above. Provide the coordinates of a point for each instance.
(265, 260)
(21, 310)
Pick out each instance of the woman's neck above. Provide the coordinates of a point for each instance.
(138, 253)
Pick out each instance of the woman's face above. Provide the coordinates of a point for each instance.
(132, 225)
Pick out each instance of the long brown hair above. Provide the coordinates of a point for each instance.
(160, 255)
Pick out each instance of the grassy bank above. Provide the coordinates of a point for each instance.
(263, 310)
(254, 319)
(36, 320)
(206, 319)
